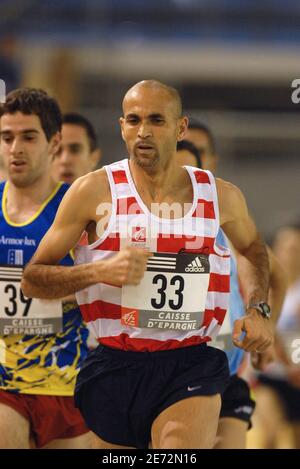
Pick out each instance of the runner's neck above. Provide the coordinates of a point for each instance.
(23, 202)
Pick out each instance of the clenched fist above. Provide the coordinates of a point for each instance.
(259, 332)
(127, 267)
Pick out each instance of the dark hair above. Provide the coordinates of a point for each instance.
(189, 146)
(197, 125)
(75, 118)
(37, 102)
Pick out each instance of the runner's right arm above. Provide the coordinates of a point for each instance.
(44, 279)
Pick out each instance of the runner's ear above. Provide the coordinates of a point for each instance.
(182, 128)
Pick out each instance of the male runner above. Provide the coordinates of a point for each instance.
(152, 376)
(41, 345)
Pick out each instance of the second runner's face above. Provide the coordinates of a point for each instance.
(24, 148)
(74, 157)
(150, 127)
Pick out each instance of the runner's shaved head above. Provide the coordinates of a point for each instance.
(158, 87)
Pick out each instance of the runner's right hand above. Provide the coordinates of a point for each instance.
(127, 267)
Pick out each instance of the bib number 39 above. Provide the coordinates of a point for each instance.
(15, 294)
(22, 315)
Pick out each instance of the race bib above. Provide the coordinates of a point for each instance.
(22, 315)
(172, 294)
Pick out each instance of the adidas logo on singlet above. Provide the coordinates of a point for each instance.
(195, 266)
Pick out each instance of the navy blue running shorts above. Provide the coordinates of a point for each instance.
(120, 393)
(236, 400)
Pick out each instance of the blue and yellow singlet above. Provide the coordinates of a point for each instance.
(33, 359)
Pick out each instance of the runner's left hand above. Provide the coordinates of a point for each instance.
(259, 332)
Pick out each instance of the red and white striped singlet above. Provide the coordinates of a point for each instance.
(184, 295)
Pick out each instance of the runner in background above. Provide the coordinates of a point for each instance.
(237, 402)
(79, 152)
(278, 388)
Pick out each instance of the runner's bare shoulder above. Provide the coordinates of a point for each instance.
(85, 195)
(230, 198)
(92, 188)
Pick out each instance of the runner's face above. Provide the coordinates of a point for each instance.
(150, 126)
(24, 148)
(74, 158)
(201, 142)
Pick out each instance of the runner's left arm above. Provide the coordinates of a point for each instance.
(243, 234)
(278, 282)
(277, 291)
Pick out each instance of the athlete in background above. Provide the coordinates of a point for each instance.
(78, 152)
(237, 404)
